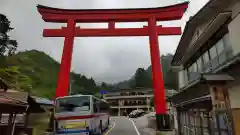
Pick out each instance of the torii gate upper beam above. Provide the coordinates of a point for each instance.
(174, 12)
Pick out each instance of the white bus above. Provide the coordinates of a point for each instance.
(81, 115)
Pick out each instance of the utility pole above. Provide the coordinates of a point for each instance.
(70, 87)
(70, 84)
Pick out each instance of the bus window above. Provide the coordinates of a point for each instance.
(95, 106)
(73, 104)
(104, 107)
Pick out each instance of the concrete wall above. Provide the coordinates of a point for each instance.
(234, 29)
(234, 96)
(181, 79)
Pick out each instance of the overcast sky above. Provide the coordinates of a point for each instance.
(105, 59)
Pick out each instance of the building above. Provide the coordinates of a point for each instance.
(208, 63)
(127, 100)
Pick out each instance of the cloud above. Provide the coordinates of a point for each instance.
(105, 59)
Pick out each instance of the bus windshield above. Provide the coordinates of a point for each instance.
(73, 104)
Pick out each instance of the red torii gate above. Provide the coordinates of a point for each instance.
(111, 16)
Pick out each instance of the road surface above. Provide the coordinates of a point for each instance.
(122, 126)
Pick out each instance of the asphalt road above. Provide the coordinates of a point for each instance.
(122, 126)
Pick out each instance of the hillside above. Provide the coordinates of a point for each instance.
(36, 72)
(170, 78)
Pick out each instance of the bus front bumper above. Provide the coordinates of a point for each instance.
(73, 132)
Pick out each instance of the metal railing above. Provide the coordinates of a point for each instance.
(212, 64)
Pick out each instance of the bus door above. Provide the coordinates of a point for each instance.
(101, 112)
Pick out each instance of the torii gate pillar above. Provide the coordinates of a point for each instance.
(158, 83)
(111, 16)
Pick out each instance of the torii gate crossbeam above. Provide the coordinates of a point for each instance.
(111, 32)
(112, 16)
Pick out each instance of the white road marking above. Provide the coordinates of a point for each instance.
(127, 118)
(109, 130)
(134, 126)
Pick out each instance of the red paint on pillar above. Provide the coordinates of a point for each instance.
(158, 83)
(111, 25)
(63, 78)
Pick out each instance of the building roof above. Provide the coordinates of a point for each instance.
(18, 102)
(4, 85)
(207, 13)
(130, 90)
(43, 101)
(217, 77)
(18, 98)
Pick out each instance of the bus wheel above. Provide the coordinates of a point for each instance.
(100, 128)
(108, 122)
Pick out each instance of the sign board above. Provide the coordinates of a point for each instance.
(103, 92)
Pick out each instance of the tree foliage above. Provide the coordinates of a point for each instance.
(83, 85)
(7, 46)
(36, 72)
(142, 79)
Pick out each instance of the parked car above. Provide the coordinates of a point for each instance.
(137, 113)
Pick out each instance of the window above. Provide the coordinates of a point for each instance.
(228, 46)
(226, 41)
(103, 107)
(206, 57)
(95, 105)
(190, 70)
(220, 46)
(185, 75)
(73, 104)
(214, 57)
(194, 66)
(199, 64)
(213, 52)
(221, 51)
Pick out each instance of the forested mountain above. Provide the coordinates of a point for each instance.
(37, 73)
(143, 78)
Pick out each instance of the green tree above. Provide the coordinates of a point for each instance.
(170, 77)
(142, 79)
(104, 85)
(82, 84)
(171, 81)
(7, 46)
